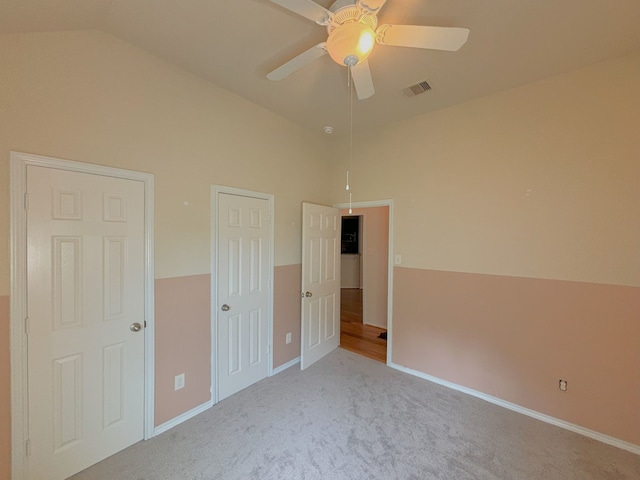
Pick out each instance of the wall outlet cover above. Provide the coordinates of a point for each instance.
(179, 382)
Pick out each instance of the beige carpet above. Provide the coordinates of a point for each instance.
(348, 417)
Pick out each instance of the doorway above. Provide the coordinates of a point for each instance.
(365, 302)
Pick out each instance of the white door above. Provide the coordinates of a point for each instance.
(243, 292)
(85, 284)
(320, 282)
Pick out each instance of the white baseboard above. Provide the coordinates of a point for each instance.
(286, 365)
(182, 418)
(630, 447)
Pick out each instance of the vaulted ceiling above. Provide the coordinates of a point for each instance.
(235, 43)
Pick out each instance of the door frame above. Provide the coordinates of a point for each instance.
(390, 265)
(215, 190)
(18, 254)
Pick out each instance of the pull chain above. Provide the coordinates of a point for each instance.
(349, 84)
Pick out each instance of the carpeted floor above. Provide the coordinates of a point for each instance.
(348, 417)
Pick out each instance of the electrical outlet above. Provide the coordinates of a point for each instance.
(178, 382)
(562, 385)
(287, 339)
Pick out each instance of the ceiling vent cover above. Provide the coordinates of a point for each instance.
(416, 89)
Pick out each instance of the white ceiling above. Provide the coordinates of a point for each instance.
(235, 43)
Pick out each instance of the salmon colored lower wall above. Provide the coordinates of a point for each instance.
(514, 338)
(183, 344)
(183, 336)
(5, 390)
(286, 313)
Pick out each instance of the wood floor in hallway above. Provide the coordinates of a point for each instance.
(354, 335)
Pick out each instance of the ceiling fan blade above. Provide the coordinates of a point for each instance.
(308, 9)
(436, 38)
(370, 7)
(361, 75)
(298, 62)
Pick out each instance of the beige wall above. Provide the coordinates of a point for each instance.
(86, 96)
(459, 178)
(542, 183)
(89, 97)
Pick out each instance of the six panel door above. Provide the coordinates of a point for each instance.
(243, 292)
(85, 284)
(320, 325)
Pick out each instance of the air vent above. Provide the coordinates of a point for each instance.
(416, 89)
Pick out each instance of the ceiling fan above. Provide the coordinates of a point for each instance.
(353, 31)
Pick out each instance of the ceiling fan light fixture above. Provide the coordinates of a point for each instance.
(351, 42)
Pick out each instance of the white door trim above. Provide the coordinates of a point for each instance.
(215, 190)
(383, 203)
(18, 235)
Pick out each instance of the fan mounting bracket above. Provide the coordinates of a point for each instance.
(350, 13)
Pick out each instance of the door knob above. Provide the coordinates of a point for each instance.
(308, 294)
(135, 327)
(225, 308)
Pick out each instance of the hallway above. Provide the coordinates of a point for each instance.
(354, 335)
